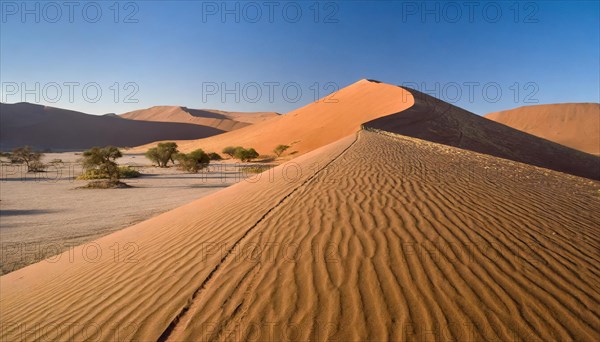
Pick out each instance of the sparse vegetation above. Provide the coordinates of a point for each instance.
(56, 161)
(230, 150)
(163, 153)
(194, 161)
(214, 156)
(245, 154)
(280, 149)
(29, 157)
(103, 160)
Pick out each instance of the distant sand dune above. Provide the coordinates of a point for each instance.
(576, 125)
(64, 130)
(225, 121)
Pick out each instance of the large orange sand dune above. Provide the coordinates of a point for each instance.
(576, 125)
(375, 236)
(314, 125)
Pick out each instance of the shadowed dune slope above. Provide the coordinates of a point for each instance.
(576, 125)
(225, 121)
(438, 121)
(54, 128)
(381, 238)
(314, 125)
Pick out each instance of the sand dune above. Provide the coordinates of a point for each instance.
(225, 121)
(387, 238)
(46, 127)
(576, 125)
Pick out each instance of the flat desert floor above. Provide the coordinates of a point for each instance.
(43, 214)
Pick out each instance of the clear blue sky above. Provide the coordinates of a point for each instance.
(184, 53)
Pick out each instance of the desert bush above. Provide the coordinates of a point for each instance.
(124, 172)
(280, 149)
(29, 157)
(194, 161)
(56, 161)
(103, 160)
(245, 154)
(214, 156)
(163, 153)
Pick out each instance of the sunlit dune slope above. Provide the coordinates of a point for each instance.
(225, 121)
(314, 125)
(380, 238)
(437, 121)
(576, 125)
(46, 127)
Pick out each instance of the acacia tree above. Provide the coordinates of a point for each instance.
(29, 157)
(103, 159)
(163, 153)
(280, 149)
